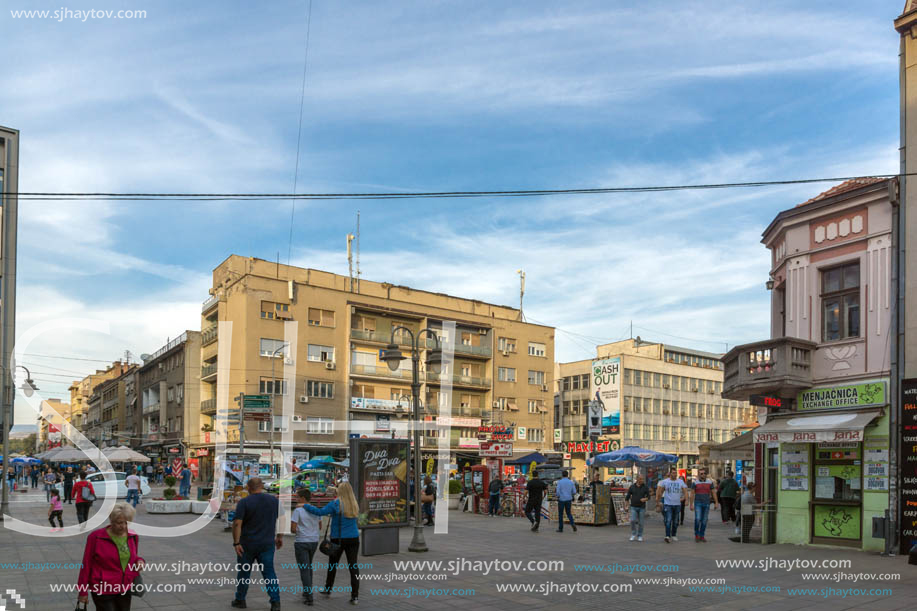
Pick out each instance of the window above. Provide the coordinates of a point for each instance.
(657, 406)
(171, 393)
(666, 381)
(321, 318)
(657, 380)
(584, 381)
(363, 323)
(321, 390)
(536, 377)
(506, 344)
(575, 382)
(273, 387)
(180, 391)
(320, 426)
(506, 374)
(666, 407)
(647, 431)
(274, 347)
(535, 406)
(267, 310)
(567, 383)
(321, 354)
(656, 432)
(638, 377)
(840, 287)
(536, 349)
(568, 406)
(536, 435)
(665, 432)
(280, 425)
(628, 375)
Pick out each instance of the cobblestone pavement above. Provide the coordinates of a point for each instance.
(477, 539)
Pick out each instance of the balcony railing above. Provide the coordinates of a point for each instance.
(209, 302)
(459, 380)
(208, 369)
(209, 406)
(781, 366)
(152, 407)
(380, 371)
(465, 349)
(209, 335)
(402, 339)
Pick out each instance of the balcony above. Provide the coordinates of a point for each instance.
(380, 371)
(209, 407)
(466, 349)
(379, 337)
(209, 335)
(780, 367)
(208, 370)
(209, 303)
(151, 408)
(459, 380)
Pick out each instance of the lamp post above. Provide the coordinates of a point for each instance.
(393, 357)
(274, 392)
(28, 387)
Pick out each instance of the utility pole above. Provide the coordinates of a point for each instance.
(9, 199)
(241, 423)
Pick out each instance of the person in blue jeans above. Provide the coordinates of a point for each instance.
(670, 492)
(495, 487)
(637, 495)
(345, 532)
(702, 489)
(565, 489)
(185, 485)
(254, 538)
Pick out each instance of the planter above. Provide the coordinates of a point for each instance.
(201, 507)
(161, 506)
(453, 501)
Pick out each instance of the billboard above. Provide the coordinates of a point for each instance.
(379, 474)
(606, 386)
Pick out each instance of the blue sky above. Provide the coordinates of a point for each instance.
(205, 96)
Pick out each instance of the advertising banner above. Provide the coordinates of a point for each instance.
(379, 473)
(496, 448)
(606, 381)
(835, 397)
(908, 462)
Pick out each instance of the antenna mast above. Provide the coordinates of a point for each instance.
(358, 251)
(521, 292)
(350, 258)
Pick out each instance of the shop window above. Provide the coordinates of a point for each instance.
(840, 298)
(838, 473)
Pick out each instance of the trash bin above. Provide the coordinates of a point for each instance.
(204, 492)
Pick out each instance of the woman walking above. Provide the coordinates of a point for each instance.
(110, 563)
(345, 534)
(84, 494)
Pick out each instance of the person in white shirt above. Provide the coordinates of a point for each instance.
(670, 492)
(307, 528)
(133, 488)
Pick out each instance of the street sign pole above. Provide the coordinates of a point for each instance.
(241, 423)
(595, 429)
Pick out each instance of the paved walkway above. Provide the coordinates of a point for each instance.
(482, 539)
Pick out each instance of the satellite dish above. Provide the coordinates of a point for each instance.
(145, 357)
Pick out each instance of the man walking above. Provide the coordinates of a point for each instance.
(496, 485)
(637, 495)
(670, 492)
(727, 491)
(566, 489)
(426, 499)
(132, 482)
(254, 536)
(702, 489)
(50, 479)
(185, 488)
(536, 487)
(68, 485)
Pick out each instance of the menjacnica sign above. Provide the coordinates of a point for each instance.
(836, 397)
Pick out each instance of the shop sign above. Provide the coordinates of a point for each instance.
(588, 446)
(203, 451)
(379, 472)
(174, 450)
(386, 404)
(383, 422)
(765, 401)
(908, 457)
(808, 436)
(496, 448)
(470, 423)
(468, 442)
(837, 397)
(558, 435)
(496, 432)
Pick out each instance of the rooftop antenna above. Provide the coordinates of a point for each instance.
(350, 237)
(521, 292)
(358, 251)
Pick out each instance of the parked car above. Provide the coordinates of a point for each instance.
(117, 488)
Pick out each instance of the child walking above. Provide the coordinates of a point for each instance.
(56, 510)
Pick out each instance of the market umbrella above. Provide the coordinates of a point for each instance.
(537, 457)
(34, 461)
(316, 463)
(630, 456)
(124, 454)
(47, 454)
(19, 460)
(74, 455)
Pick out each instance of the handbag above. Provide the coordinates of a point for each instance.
(84, 607)
(87, 495)
(328, 547)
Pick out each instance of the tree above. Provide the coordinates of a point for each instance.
(23, 445)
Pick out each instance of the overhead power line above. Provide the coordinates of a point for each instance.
(44, 195)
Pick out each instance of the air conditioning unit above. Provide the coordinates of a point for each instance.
(288, 361)
(626, 408)
(482, 331)
(297, 418)
(496, 405)
(303, 398)
(684, 413)
(544, 388)
(329, 365)
(665, 385)
(505, 352)
(694, 389)
(665, 412)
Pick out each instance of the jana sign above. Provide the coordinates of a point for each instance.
(835, 397)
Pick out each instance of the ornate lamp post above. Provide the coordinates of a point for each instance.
(393, 357)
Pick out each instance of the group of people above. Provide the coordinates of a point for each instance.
(674, 493)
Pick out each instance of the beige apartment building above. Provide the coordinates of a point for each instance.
(669, 402)
(50, 425)
(502, 369)
(81, 393)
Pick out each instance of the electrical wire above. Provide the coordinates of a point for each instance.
(302, 100)
(44, 195)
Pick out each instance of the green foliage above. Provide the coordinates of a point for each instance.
(168, 493)
(455, 486)
(170, 480)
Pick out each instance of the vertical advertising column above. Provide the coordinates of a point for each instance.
(908, 462)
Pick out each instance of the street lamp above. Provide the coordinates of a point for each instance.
(28, 388)
(393, 357)
(273, 392)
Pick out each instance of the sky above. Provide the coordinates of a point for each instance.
(432, 96)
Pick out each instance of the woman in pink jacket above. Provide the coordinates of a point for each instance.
(110, 563)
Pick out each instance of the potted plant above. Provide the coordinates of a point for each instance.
(169, 492)
(170, 501)
(455, 490)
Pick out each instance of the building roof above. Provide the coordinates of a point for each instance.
(847, 185)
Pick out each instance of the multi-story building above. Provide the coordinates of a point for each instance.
(822, 450)
(50, 424)
(115, 398)
(502, 368)
(669, 402)
(168, 414)
(81, 391)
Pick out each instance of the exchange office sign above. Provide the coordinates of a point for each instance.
(379, 471)
(908, 459)
(836, 397)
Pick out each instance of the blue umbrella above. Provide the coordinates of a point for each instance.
(19, 460)
(632, 455)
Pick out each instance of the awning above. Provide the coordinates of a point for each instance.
(840, 426)
(527, 459)
(737, 448)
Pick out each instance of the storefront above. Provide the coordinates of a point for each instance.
(825, 466)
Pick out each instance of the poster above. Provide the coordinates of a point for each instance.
(908, 462)
(839, 522)
(606, 382)
(875, 465)
(379, 472)
(795, 483)
(794, 466)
